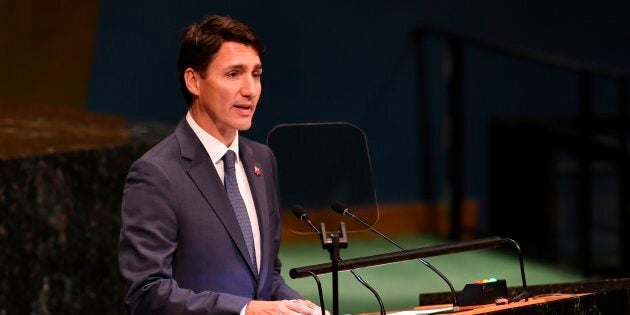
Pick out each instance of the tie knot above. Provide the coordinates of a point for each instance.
(228, 159)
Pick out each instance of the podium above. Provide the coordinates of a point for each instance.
(63, 172)
(610, 296)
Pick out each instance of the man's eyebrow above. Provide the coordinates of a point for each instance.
(242, 67)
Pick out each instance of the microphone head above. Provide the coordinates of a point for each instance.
(299, 212)
(339, 207)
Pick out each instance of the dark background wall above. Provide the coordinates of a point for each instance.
(356, 62)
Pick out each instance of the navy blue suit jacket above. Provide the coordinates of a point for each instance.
(181, 247)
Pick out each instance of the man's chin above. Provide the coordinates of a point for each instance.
(244, 126)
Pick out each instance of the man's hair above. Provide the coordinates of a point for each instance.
(199, 44)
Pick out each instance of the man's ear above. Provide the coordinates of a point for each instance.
(192, 78)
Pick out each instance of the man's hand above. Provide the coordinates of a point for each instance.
(285, 307)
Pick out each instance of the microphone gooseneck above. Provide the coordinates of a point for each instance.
(343, 210)
(301, 214)
(319, 290)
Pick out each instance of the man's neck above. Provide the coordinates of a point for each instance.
(209, 126)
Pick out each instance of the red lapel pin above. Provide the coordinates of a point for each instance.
(257, 170)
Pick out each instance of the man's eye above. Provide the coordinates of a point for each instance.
(257, 75)
(232, 74)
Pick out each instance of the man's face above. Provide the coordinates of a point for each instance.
(228, 94)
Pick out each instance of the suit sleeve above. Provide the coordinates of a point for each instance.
(148, 239)
(280, 289)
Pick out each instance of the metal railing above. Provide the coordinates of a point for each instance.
(455, 45)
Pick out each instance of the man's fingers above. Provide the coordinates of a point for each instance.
(311, 304)
(284, 307)
(299, 306)
(287, 308)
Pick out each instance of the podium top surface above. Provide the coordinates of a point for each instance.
(610, 296)
(38, 130)
(493, 308)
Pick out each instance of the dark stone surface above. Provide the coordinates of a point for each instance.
(60, 224)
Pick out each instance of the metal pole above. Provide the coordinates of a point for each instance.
(585, 199)
(456, 131)
(624, 170)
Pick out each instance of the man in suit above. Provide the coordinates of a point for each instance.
(200, 218)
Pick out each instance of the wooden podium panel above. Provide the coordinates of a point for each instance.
(605, 297)
(521, 307)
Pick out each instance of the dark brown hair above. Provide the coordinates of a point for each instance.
(200, 42)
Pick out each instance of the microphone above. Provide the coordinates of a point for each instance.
(301, 214)
(343, 210)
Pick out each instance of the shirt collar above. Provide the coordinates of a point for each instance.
(215, 148)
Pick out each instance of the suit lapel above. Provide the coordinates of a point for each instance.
(207, 180)
(255, 177)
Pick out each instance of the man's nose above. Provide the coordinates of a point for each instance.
(248, 87)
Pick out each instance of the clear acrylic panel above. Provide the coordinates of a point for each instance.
(319, 163)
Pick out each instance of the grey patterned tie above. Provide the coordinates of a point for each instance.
(234, 194)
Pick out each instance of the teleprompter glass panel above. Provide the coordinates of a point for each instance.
(319, 163)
